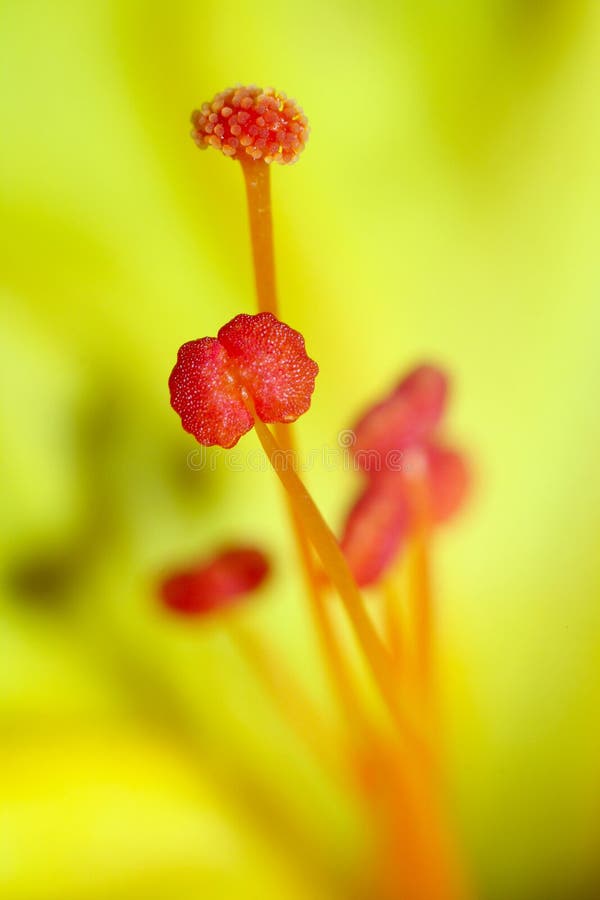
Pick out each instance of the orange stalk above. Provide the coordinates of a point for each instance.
(420, 599)
(334, 563)
(393, 623)
(336, 664)
(419, 858)
(257, 177)
(420, 594)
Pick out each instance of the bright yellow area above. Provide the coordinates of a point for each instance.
(446, 207)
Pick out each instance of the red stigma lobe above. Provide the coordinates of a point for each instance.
(255, 358)
(272, 362)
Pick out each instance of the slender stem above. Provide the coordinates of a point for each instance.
(334, 563)
(422, 860)
(393, 625)
(336, 664)
(420, 591)
(257, 176)
(258, 193)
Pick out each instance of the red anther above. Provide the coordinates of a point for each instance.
(248, 123)
(271, 360)
(409, 414)
(255, 358)
(384, 514)
(215, 584)
(411, 476)
(449, 481)
(376, 529)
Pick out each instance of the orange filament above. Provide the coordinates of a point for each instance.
(334, 659)
(393, 624)
(421, 601)
(420, 861)
(257, 176)
(422, 610)
(334, 563)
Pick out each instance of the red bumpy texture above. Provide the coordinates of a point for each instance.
(216, 584)
(248, 123)
(254, 358)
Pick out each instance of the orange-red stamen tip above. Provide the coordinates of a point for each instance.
(249, 123)
(253, 357)
(216, 583)
(397, 446)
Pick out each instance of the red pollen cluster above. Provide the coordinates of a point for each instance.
(397, 447)
(375, 529)
(408, 414)
(255, 361)
(215, 584)
(250, 123)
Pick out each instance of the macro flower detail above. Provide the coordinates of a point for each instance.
(449, 479)
(216, 583)
(375, 530)
(248, 123)
(254, 372)
(411, 475)
(255, 361)
(407, 415)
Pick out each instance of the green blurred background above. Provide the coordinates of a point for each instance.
(447, 207)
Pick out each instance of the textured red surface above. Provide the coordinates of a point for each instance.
(254, 357)
(216, 583)
(271, 360)
(250, 123)
(207, 395)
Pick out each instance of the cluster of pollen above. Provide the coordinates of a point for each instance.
(395, 441)
(255, 358)
(215, 584)
(251, 123)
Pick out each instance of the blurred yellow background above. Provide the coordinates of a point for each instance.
(447, 207)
